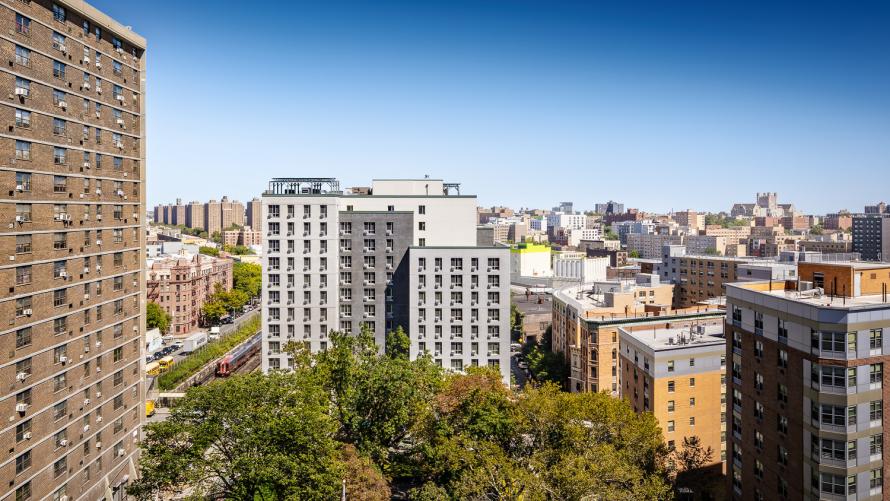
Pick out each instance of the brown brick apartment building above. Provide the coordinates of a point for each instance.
(808, 388)
(72, 172)
(586, 324)
(181, 284)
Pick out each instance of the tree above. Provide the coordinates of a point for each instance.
(543, 364)
(216, 237)
(634, 254)
(516, 325)
(212, 311)
(693, 455)
(711, 251)
(208, 251)
(377, 399)
(610, 235)
(156, 317)
(238, 250)
(484, 442)
(398, 344)
(816, 230)
(695, 466)
(252, 437)
(247, 278)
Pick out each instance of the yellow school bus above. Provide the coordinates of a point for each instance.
(149, 408)
(166, 363)
(152, 369)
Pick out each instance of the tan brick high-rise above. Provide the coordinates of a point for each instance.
(72, 172)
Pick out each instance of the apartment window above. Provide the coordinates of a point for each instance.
(59, 155)
(876, 339)
(23, 492)
(876, 478)
(23, 244)
(833, 341)
(670, 366)
(22, 337)
(59, 13)
(876, 444)
(22, 56)
(671, 386)
(670, 426)
(22, 462)
(876, 373)
(60, 325)
(670, 406)
(60, 241)
(60, 297)
(23, 275)
(421, 209)
(876, 410)
(58, 69)
(22, 150)
(22, 24)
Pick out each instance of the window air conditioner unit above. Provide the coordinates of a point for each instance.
(63, 274)
(27, 435)
(63, 104)
(21, 407)
(28, 312)
(21, 92)
(63, 359)
(63, 443)
(86, 401)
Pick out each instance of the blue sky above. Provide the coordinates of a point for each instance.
(526, 103)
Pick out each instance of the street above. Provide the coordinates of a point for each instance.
(519, 375)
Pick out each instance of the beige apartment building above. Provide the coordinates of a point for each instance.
(586, 323)
(194, 215)
(213, 217)
(72, 200)
(679, 375)
(245, 236)
(181, 284)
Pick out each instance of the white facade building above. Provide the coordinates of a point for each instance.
(585, 270)
(335, 260)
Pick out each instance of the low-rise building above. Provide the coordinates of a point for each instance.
(181, 283)
(245, 236)
(586, 320)
(530, 260)
(584, 270)
(650, 246)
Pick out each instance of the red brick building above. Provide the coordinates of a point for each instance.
(181, 284)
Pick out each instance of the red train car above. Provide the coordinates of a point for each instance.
(235, 358)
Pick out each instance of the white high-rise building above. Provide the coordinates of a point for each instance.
(350, 259)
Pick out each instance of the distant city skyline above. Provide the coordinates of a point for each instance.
(656, 105)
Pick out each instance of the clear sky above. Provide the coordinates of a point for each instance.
(527, 103)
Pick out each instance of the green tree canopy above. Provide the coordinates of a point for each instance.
(398, 345)
(247, 278)
(254, 437)
(156, 317)
(353, 412)
(208, 251)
